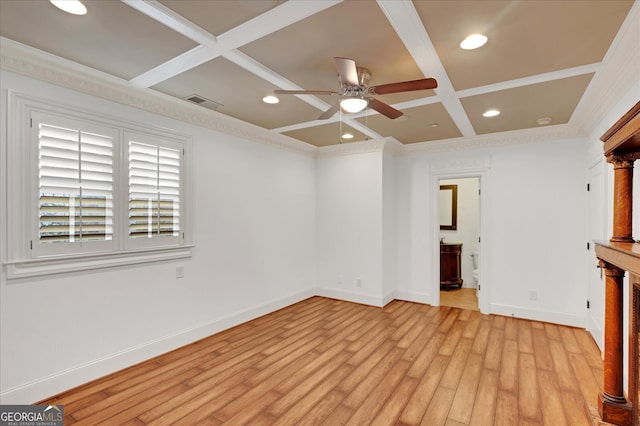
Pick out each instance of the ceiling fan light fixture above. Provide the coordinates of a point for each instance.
(74, 7)
(353, 104)
(473, 41)
(270, 99)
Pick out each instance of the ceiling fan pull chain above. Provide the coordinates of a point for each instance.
(340, 130)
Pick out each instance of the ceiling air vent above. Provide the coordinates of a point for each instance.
(204, 102)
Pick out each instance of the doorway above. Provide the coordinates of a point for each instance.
(459, 235)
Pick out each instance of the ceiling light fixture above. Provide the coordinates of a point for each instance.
(74, 7)
(543, 121)
(491, 113)
(270, 99)
(347, 136)
(473, 41)
(353, 104)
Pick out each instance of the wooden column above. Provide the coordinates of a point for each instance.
(612, 405)
(622, 195)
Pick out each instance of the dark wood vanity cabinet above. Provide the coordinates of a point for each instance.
(450, 268)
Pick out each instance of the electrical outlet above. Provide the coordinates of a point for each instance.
(340, 279)
(179, 271)
(533, 295)
(359, 282)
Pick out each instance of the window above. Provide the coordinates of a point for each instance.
(92, 192)
(154, 189)
(75, 185)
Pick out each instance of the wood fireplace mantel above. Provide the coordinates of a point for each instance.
(617, 257)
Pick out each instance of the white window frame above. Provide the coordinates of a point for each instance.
(23, 193)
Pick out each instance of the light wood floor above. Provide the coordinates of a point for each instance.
(464, 298)
(330, 362)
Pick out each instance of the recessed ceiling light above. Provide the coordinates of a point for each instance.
(543, 121)
(75, 7)
(270, 99)
(434, 124)
(347, 136)
(491, 113)
(473, 41)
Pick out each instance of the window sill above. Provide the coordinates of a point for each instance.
(57, 265)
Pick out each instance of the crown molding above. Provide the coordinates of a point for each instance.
(33, 63)
(515, 137)
(351, 148)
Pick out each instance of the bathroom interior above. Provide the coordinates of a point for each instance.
(459, 206)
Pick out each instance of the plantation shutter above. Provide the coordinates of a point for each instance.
(154, 190)
(75, 173)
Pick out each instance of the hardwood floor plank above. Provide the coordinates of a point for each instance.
(541, 349)
(425, 357)
(324, 361)
(391, 410)
(415, 409)
(551, 401)
(493, 354)
(368, 409)
(291, 395)
(484, 405)
(366, 386)
(528, 394)
(465, 394)
(564, 372)
(525, 337)
(439, 408)
(509, 366)
(456, 365)
(293, 413)
(506, 409)
(587, 382)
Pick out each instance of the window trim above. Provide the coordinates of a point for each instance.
(20, 260)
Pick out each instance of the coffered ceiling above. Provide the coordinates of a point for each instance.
(540, 58)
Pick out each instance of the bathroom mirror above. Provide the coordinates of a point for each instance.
(448, 204)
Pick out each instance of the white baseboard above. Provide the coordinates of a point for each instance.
(411, 296)
(538, 315)
(61, 381)
(350, 296)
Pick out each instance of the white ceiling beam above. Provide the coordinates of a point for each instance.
(168, 17)
(404, 19)
(184, 62)
(212, 46)
(533, 79)
(273, 20)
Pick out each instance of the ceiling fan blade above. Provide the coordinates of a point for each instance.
(384, 109)
(305, 92)
(330, 112)
(347, 70)
(404, 86)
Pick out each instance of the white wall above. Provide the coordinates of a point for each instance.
(254, 252)
(349, 189)
(273, 226)
(468, 225)
(535, 203)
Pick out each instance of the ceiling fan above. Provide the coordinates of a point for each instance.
(356, 94)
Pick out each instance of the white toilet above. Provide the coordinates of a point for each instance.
(476, 268)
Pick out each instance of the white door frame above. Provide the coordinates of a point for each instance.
(481, 172)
